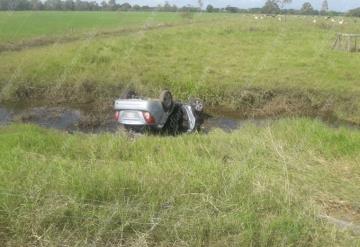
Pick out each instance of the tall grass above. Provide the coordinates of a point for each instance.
(256, 186)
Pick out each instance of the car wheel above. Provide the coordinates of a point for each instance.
(197, 105)
(128, 94)
(166, 100)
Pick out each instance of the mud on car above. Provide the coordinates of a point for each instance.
(163, 115)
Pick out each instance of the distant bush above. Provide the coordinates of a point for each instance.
(271, 7)
(307, 9)
(187, 14)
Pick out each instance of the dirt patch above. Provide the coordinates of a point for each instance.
(35, 42)
(341, 224)
(342, 214)
(342, 209)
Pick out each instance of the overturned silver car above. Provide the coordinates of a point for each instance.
(163, 115)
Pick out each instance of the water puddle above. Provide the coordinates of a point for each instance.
(5, 116)
(57, 118)
(84, 119)
(62, 118)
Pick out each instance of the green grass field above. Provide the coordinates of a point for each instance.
(26, 25)
(257, 186)
(212, 57)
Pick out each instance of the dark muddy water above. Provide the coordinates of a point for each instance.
(62, 118)
(5, 116)
(86, 120)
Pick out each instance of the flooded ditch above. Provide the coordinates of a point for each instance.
(85, 119)
(61, 118)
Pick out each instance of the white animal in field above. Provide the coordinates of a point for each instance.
(262, 17)
(279, 19)
(256, 17)
(341, 22)
(332, 20)
(314, 21)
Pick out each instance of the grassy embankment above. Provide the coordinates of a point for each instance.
(257, 186)
(258, 67)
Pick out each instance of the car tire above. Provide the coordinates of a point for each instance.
(166, 100)
(128, 94)
(197, 105)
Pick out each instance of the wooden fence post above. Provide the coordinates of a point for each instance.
(346, 41)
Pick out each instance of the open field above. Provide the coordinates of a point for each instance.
(231, 60)
(17, 26)
(291, 182)
(258, 186)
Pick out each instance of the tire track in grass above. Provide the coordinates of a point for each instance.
(44, 41)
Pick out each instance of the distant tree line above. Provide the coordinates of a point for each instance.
(276, 7)
(71, 5)
(354, 12)
(271, 7)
